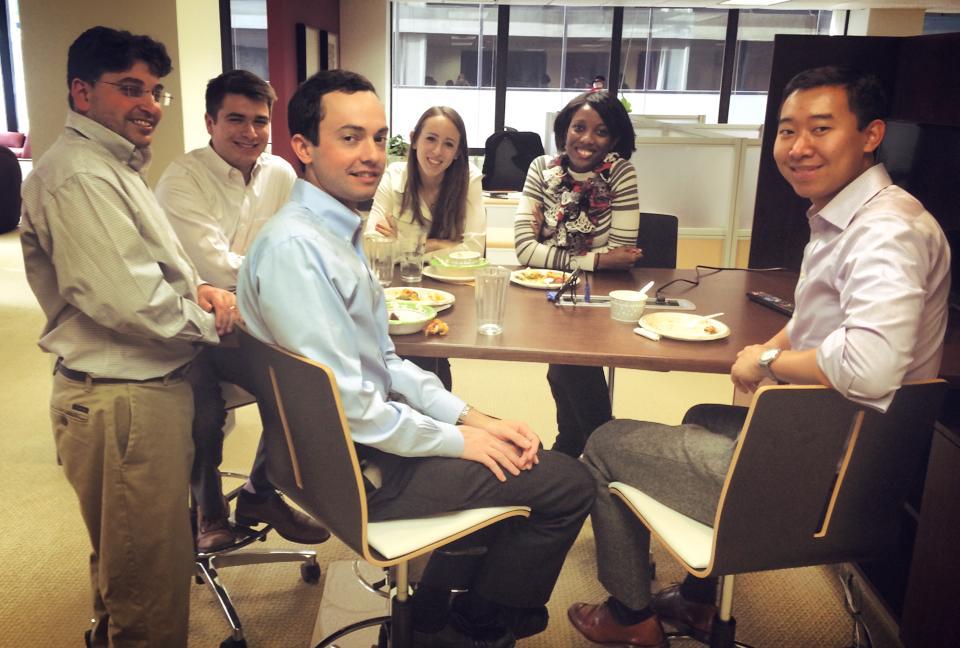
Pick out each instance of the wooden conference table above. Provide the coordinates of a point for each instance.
(535, 330)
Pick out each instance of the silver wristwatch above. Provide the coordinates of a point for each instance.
(766, 359)
(463, 414)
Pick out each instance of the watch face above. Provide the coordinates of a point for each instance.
(769, 356)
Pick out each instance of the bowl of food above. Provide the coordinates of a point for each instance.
(406, 317)
(627, 305)
(459, 263)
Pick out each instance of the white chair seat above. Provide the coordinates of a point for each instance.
(691, 540)
(399, 537)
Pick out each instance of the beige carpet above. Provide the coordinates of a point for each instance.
(44, 546)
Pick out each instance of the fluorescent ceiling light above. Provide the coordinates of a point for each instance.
(753, 3)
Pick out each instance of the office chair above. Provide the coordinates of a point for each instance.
(209, 563)
(506, 158)
(312, 459)
(10, 180)
(815, 479)
(657, 238)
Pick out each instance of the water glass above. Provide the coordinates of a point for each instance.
(411, 258)
(379, 251)
(491, 294)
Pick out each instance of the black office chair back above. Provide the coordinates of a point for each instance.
(10, 179)
(507, 156)
(817, 479)
(657, 238)
(310, 454)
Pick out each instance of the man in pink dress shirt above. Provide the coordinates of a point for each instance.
(871, 313)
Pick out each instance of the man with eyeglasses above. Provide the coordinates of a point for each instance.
(217, 198)
(126, 315)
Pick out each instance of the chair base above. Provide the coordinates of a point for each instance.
(207, 565)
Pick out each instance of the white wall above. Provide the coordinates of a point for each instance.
(365, 42)
(50, 27)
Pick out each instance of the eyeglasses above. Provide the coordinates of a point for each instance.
(136, 91)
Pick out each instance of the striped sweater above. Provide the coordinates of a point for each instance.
(616, 227)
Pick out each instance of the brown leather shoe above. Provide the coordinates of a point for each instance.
(689, 617)
(214, 534)
(290, 523)
(596, 623)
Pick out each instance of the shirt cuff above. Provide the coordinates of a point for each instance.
(451, 444)
(586, 262)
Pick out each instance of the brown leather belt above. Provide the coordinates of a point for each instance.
(82, 376)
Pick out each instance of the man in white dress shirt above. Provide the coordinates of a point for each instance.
(217, 198)
(871, 313)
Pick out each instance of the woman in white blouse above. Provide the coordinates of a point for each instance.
(435, 194)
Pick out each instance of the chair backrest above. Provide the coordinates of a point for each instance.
(658, 240)
(507, 156)
(10, 180)
(310, 454)
(817, 478)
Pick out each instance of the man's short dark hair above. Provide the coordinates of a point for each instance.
(102, 49)
(865, 94)
(305, 109)
(240, 82)
(611, 111)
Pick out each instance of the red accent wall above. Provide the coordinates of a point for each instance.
(282, 18)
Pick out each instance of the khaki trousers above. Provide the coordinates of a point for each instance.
(126, 450)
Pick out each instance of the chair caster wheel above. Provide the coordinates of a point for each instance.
(230, 642)
(310, 572)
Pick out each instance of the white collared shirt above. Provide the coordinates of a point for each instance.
(215, 213)
(873, 288)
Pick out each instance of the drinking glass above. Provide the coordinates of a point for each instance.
(411, 257)
(379, 251)
(491, 293)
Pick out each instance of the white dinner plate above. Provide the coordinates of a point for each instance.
(428, 271)
(684, 326)
(439, 299)
(539, 279)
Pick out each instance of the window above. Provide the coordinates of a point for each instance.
(754, 55)
(248, 31)
(671, 60)
(444, 55)
(16, 119)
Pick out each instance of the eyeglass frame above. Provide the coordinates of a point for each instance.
(135, 91)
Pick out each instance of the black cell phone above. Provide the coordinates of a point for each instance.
(771, 301)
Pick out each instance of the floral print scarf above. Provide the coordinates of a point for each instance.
(577, 204)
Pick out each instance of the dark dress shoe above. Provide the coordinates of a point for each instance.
(451, 637)
(689, 617)
(270, 509)
(597, 623)
(214, 535)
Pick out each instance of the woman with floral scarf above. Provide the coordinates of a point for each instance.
(580, 210)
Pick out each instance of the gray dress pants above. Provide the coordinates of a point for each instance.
(681, 466)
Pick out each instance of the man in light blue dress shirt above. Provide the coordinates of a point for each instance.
(306, 286)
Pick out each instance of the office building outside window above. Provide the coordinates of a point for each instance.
(444, 54)
(671, 60)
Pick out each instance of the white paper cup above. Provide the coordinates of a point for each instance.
(627, 305)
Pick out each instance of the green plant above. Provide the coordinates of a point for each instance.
(397, 146)
(626, 104)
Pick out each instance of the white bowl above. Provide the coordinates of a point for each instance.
(627, 305)
(408, 317)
